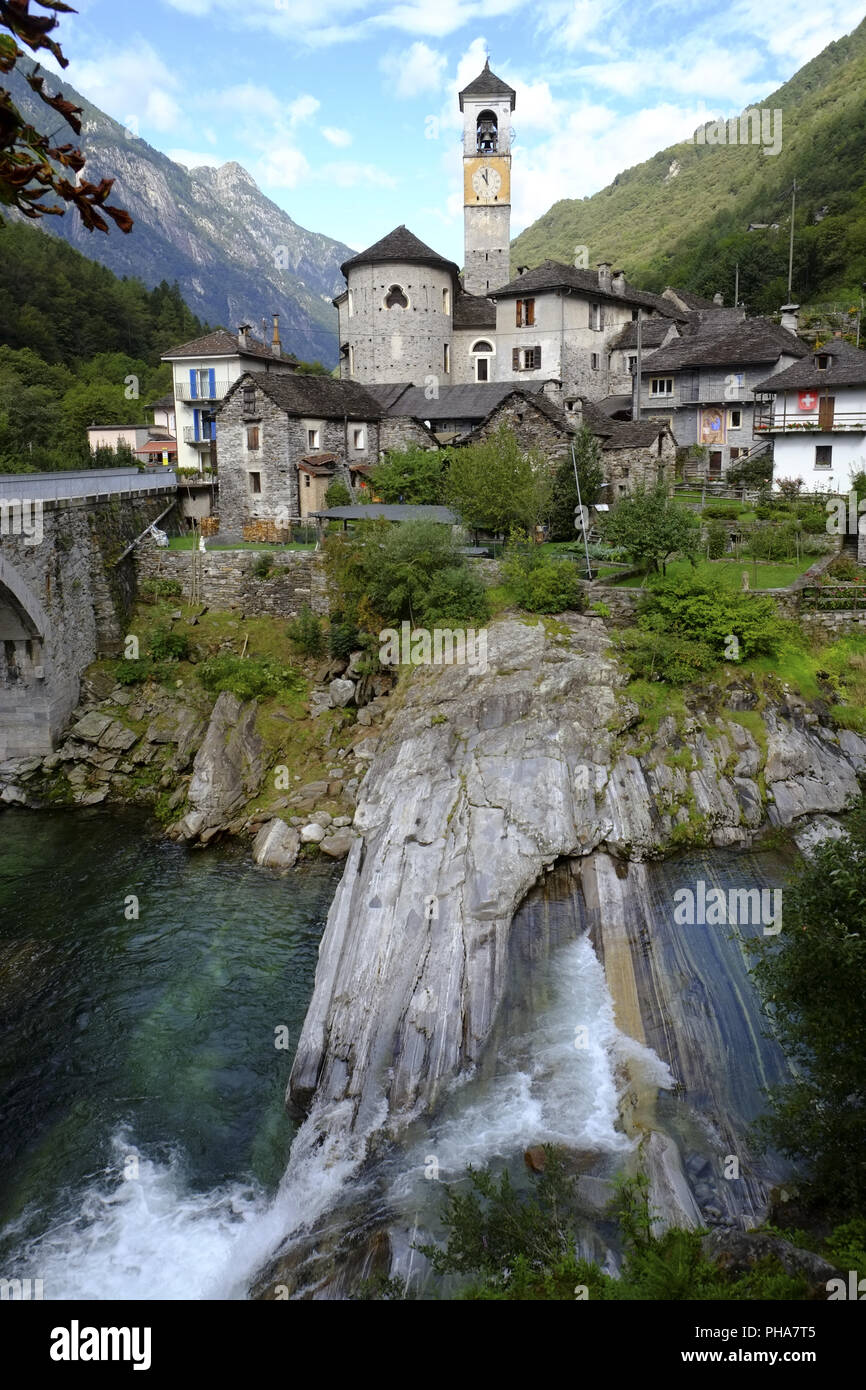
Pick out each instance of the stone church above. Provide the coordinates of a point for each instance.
(408, 314)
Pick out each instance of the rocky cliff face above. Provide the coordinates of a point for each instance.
(480, 782)
(234, 253)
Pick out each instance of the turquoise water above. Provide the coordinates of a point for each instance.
(143, 1122)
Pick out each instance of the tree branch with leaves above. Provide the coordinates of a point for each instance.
(32, 166)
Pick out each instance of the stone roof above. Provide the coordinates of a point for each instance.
(847, 367)
(319, 397)
(400, 245)
(753, 340)
(318, 464)
(689, 300)
(653, 334)
(221, 343)
(611, 404)
(621, 434)
(487, 84)
(474, 311)
(165, 402)
(554, 275)
(472, 402)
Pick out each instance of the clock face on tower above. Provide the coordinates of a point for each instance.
(486, 182)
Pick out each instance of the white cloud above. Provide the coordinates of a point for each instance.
(282, 168)
(335, 136)
(414, 70)
(302, 109)
(133, 84)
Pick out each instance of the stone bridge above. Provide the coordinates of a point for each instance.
(67, 581)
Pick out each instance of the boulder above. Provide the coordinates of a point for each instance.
(322, 818)
(337, 844)
(118, 738)
(341, 692)
(13, 796)
(738, 1252)
(312, 834)
(230, 763)
(91, 728)
(276, 845)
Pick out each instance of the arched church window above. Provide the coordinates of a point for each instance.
(396, 298)
(487, 134)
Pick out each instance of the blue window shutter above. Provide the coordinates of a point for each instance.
(213, 429)
(193, 391)
(195, 415)
(211, 376)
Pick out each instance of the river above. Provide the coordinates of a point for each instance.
(143, 1127)
(144, 1138)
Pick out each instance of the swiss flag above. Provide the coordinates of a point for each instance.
(808, 400)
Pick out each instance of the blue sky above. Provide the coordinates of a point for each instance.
(345, 112)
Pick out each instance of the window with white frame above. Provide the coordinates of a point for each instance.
(661, 386)
(823, 455)
(359, 438)
(596, 316)
(481, 354)
(314, 438)
(736, 419)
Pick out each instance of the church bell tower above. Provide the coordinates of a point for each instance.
(487, 104)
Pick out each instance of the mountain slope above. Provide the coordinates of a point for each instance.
(682, 217)
(236, 256)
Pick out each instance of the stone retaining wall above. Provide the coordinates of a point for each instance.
(228, 579)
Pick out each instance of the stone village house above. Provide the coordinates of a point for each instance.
(284, 439)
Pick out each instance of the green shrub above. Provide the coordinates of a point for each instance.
(844, 569)
(135, 672)
(263, 566)
(338, 495)
(813, 519)
(150, 589)
(773, 542)
(754, 472)
(249, 677)
(168, 645)
(722, 511)
(454, 596)
(698, 611)
(306, 633)
(542, 585)
(717, 539)
(342, 636)
(661, 656)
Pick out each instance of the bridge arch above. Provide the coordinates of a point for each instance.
(25, 698)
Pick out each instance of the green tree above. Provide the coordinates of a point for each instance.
(338, 495)
(495, 485)
(651, 527)
(411, 475)
(590, 472)
(813, 982)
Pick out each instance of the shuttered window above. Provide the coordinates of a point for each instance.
(253, 437)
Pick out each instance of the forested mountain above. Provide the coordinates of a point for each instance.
(683, 217)
(236, 256)
(76, 345)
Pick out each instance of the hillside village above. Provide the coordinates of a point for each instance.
(432, 356)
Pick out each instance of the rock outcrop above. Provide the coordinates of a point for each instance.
(478, 782)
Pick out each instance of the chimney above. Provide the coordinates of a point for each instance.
(617, 282)
(718, 299)
(276, 345)
(604, 269)
(790, 317)
(243, 340)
